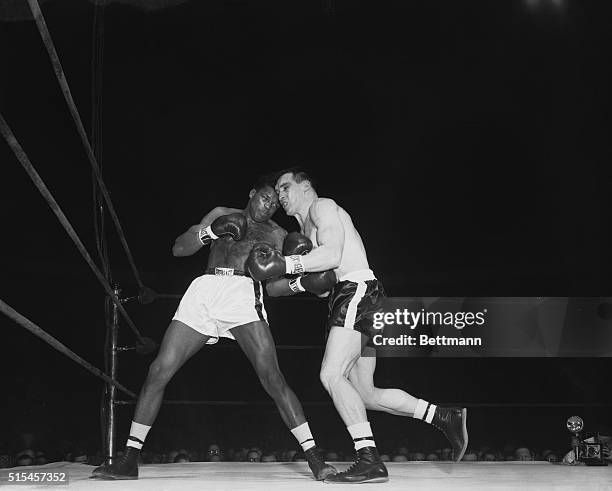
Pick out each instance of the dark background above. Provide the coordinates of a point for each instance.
(469, 141)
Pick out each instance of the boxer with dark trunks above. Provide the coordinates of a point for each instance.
(224, 302)
(346, 375)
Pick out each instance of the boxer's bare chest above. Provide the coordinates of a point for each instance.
(310, 231)
(234, 252)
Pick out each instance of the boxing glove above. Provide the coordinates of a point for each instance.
(317, 283)
(265, 262)
(233, 225)
(296, 243)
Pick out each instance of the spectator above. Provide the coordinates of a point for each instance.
(446, 454)
(253, 456)
(432, 457)
(40, 459)
(470, 456)
(418, 456)
(213, 454)
(181, 458)
(399, 458)
(268, 457)
(385, 457)
(25, 457)
(523, 454)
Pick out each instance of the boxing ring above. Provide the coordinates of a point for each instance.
(296, 476)
(232, 475)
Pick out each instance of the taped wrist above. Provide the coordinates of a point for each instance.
(294, 264)
(205, 235)
(296, 285)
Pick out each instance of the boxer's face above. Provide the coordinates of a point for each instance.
(263, 204)
(290, 193)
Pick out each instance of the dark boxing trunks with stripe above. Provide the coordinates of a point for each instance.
(353, 302)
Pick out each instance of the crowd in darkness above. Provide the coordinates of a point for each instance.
(81, 452)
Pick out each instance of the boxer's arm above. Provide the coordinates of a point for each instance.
(279, 287)
(330, 237)
(188, 242)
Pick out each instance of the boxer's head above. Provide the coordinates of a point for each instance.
(263, 200)
(294, 187)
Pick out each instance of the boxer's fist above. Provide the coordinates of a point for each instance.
(265, 262)
(296, 243)
(318, 283)
(233, 225)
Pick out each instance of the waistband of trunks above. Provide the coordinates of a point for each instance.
(226, 272)
(359, 275)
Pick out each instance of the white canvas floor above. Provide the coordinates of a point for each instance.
(404, 476)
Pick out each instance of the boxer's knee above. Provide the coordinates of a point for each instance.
(271, 379)
(330, 377)
(161, 371)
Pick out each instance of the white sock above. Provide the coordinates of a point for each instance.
(361, 433)
(138, 433)
(424, 411)
(303, 435)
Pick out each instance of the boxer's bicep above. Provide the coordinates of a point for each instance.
(188, 242)
(215, 213)
(330, 232)
(330, 237)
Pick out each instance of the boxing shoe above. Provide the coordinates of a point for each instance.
(367, 468)
(125, 467)
(317, 465)
(452, 422)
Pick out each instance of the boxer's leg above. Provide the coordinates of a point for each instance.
(180, 343)
(342, 351)
(450, 420)
(393, 401)
(256, 341)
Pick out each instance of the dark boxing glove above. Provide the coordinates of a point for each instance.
(265, 262)
(317, 283)
(296, 243)
(233, 225)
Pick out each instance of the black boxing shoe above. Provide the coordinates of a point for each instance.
(452, 421)
(125, 467)
(317, 465)
(367, 468)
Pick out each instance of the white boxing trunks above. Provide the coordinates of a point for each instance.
(214, 304)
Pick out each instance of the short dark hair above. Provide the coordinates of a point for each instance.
(265, 180)
(299, 174)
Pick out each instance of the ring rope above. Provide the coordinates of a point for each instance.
(45, 336)
(61, 78)
(176, 402)
(29, 168)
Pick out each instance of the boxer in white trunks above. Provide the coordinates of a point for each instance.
(224, 302)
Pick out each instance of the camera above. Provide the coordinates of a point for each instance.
(588, 450)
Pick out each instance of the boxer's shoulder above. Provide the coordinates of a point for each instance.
(227, 210)
(321, 207)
